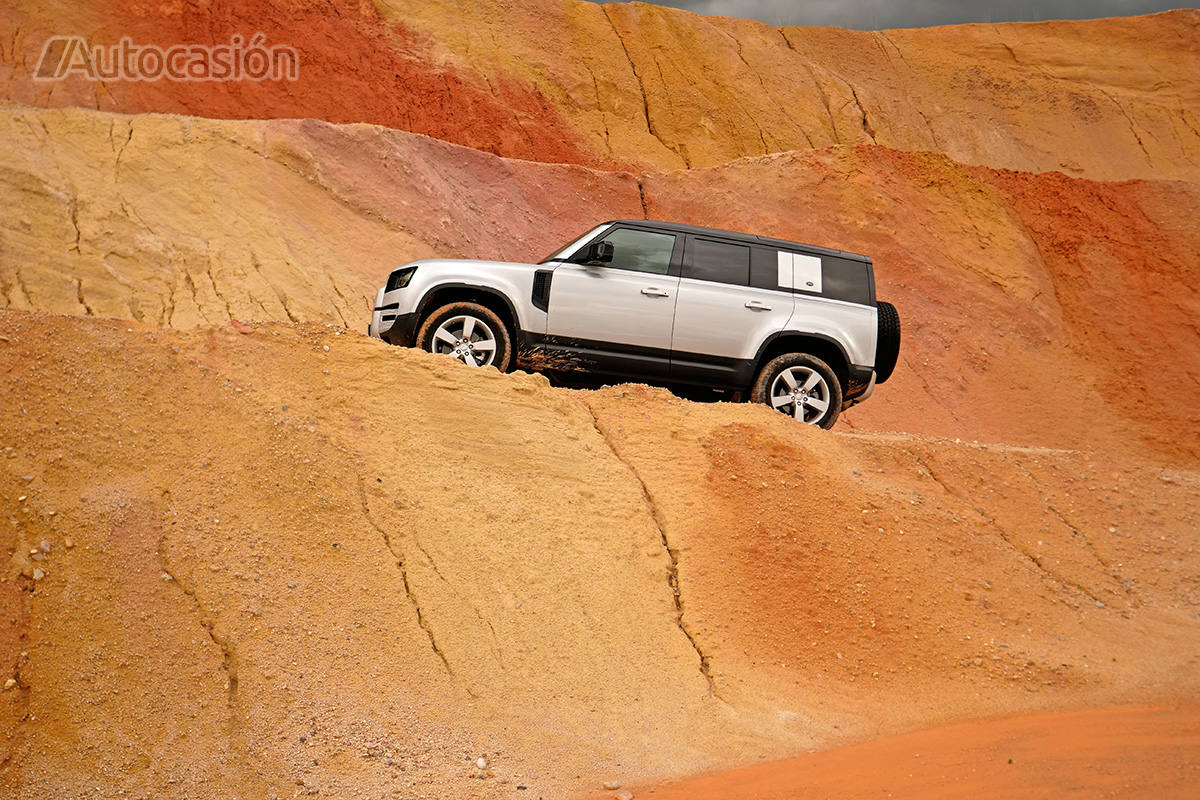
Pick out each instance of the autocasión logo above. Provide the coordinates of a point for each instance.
(240, 59)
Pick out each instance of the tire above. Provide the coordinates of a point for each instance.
(887, 346)
(793, 377)
(487, 341)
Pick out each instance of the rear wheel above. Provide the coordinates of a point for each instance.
(801, 386)
(469, 332)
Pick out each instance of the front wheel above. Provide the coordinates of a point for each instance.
(469, 332)
(801, 386)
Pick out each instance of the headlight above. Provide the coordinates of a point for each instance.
(400, 278)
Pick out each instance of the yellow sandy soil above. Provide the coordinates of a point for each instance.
(282, 532)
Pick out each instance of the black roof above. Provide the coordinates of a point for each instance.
(748, 238)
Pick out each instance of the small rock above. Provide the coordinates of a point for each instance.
(38, 574)
(166, 576)
(21, 499)
(326, 348)
(45, 546)
(624, 794)
(612, 785)
(36, 556)
(69, 543)
(481, 762)
(10, 683)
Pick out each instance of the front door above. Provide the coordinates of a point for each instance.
(616, 318)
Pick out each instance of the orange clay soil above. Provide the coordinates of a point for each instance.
(1151, 753)
(275, 559)
(261, 560)
(633, 84)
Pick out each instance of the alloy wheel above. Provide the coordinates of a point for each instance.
(801, 392)
(467, 338)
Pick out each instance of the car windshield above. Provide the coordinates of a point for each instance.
(563, 253)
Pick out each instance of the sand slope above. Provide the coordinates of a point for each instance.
(409, 563)
(248, 552)
(637, 84)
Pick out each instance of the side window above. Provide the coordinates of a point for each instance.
(847, 280)
(641, 251)
(717, 261)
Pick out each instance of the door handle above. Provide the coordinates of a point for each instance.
(652, 291)
(757, 305)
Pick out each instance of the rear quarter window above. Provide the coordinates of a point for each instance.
(847, 279)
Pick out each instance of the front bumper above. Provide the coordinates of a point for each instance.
(393, 328)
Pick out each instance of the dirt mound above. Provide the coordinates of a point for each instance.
(636, 84)
(1038, 309)
(357, 568)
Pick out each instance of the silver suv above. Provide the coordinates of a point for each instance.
(787, 324)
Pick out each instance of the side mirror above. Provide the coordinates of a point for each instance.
(598, 252)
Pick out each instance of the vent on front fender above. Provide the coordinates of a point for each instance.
(541, 289)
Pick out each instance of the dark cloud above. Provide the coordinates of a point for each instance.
(876, 14)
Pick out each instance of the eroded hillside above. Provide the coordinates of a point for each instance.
(1038, 309)
(279, 558)
(632, 84)
(249, 552)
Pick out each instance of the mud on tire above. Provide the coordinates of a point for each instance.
(801, 386)
(470, 332)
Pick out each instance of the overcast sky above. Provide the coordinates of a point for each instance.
(874, 14)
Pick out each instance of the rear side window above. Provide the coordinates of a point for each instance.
(764, 270)
(849, 280)
(708, 260)
(641, 251)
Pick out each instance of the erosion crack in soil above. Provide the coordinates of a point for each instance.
(399, 560)
(672, 554)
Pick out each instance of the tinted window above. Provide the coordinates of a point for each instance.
(717, 261)
(641, 251)
(842, 278)
(847, 280)
(764, 268)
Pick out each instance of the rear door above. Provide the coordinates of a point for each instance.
(616, 318)
(720, 317)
